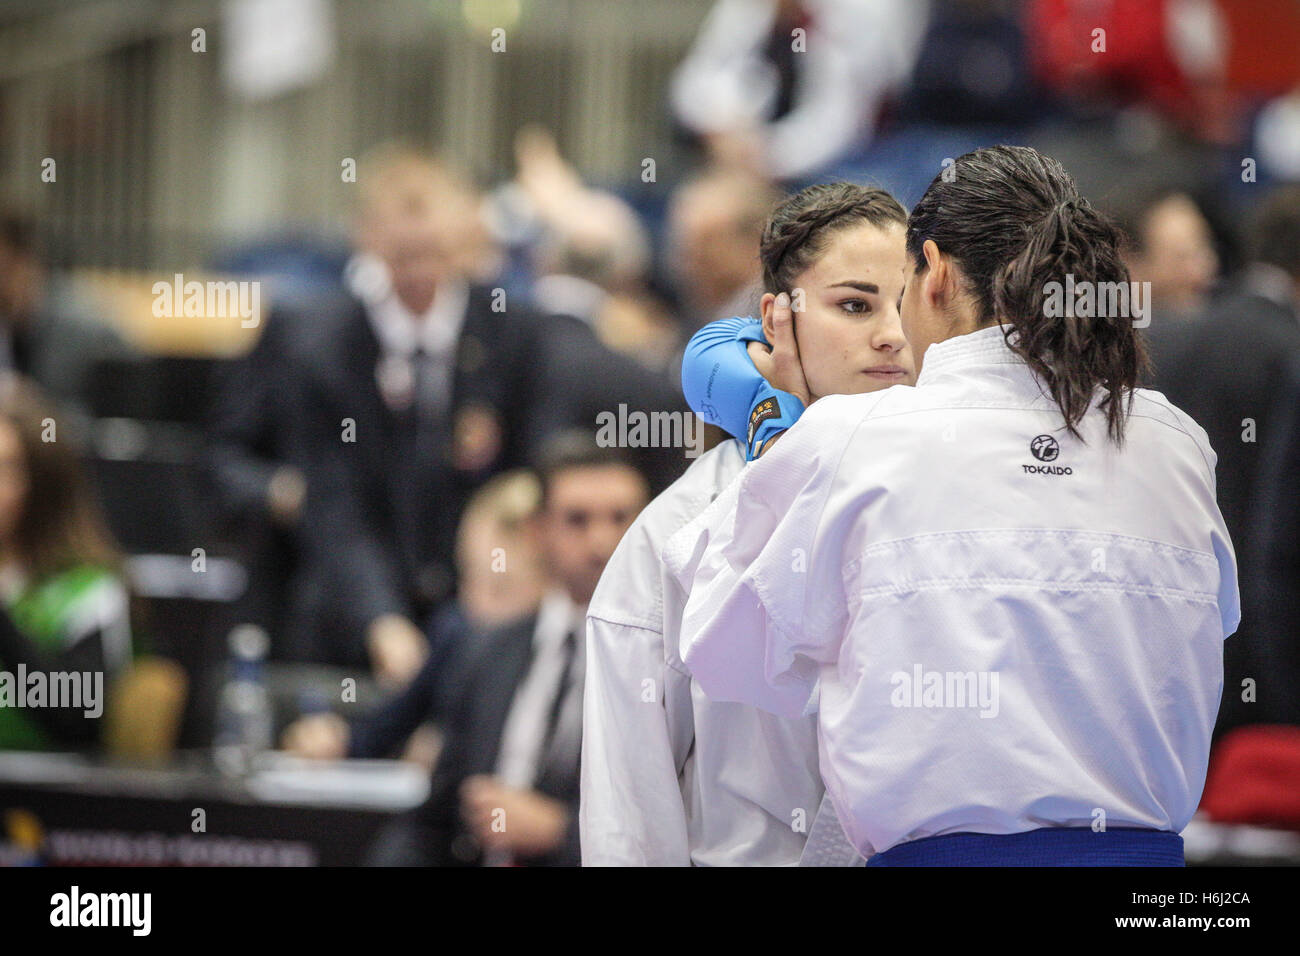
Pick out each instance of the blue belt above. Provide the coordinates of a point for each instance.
(1051, 846)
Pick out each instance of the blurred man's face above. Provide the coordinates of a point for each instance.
(414, 225)
(586, 514)
(1178, 256)
(499, 571)
(712, 256)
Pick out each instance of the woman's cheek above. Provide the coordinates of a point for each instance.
(812, 375)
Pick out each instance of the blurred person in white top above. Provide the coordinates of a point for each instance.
(1004, 591)
(785, 88)
(668, 776)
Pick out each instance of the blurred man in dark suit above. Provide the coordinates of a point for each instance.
(1274, 284)
(1276, 549)
(417, 387)
(505, 789)
(1229, 376)
(255, 463)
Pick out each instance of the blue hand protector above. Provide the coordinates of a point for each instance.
(724, 388)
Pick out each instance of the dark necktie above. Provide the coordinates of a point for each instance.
(426, 393)
(570, 651)
(421, 453)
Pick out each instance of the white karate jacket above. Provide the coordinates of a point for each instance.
(668, 776)
(1008, 628)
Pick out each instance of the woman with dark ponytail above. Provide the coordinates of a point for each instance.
(1004, 591)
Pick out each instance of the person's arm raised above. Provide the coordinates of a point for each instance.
(762, 568)
(724, 387)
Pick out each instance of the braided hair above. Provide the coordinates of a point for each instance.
(796, 232)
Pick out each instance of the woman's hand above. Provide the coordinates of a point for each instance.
(780, 364)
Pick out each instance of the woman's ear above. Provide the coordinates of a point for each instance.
(938, 275)
(766, 310)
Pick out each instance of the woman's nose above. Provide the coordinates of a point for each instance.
(889, 332)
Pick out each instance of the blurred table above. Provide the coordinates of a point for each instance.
(67, 810)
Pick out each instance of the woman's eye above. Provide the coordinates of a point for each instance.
(856, 306)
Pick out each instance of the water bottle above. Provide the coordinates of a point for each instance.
(244, 723)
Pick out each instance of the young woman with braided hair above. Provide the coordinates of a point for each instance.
(1003, 591)
(669, 777)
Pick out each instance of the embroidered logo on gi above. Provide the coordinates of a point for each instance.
(1044, 448)
(767, 408)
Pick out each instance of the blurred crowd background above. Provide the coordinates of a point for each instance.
(477, 225)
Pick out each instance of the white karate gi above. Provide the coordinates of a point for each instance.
(893, 552)
(668, 776)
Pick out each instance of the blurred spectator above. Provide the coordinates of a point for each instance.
(1230, 375)
(973, 68)
(46, 333)
(1272, 288)
(591, 258)
(1276, 548)
(580, 231)
(714, 221)
(255, 461)
(501, 573)
(1171, 247)
(785, 88)
(585, 251)
(514, 736)
(418, 389)
(500, 579)
(1167, 57)
(65, 605)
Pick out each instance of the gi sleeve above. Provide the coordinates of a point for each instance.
(632, 812)
(1229, 593)
(762, 566)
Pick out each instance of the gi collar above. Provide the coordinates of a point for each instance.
(981, 347)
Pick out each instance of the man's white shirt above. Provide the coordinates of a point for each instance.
(402, 334)
(670, 777)
(522, 738)
(1000, 628)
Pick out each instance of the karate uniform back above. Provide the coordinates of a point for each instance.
(1010, 628)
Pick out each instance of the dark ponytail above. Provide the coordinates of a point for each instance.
(1014, 222)
(796, 232)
